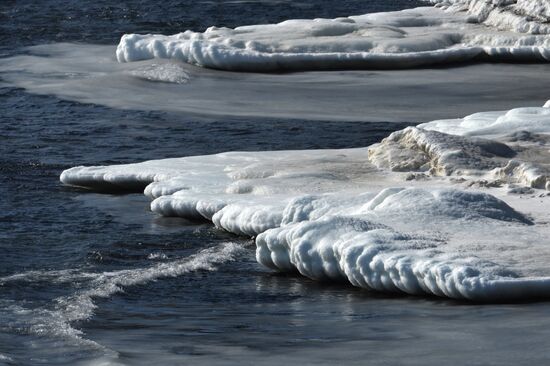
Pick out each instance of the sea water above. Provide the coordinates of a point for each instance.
(98, 279)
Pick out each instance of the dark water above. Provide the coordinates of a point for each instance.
(28, 22)
(90, 278)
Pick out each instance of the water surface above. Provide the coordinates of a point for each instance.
(90, 278)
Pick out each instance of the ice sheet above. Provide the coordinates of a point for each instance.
(90, 74)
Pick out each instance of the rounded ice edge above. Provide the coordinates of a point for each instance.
(410, 38)
(95, 178)
(370, 263)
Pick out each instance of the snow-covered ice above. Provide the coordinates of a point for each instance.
(456, 208)
(392, 40)
(529, 16)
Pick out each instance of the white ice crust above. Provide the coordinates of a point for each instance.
(455, 208)
(530, 16)
(454, 31)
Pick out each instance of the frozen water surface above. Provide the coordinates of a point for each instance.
(90, 74)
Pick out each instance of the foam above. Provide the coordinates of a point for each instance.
(429, 210)
(392, 40)
(57, 322)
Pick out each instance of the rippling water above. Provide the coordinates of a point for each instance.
(90, 278)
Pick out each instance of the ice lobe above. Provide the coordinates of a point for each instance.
(371, 256)
(456, 229)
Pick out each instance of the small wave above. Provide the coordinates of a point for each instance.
(157, 256)
(5, 358)
(56, 322)
(61, 276)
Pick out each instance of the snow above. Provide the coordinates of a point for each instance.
(432, 209)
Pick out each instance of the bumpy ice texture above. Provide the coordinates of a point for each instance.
(530, 16)
(403, 39)
(429, 210)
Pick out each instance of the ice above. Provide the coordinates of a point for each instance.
(526, 130)
(391, 40)
(530, 16)
(167, 72)
(416, 149)
(493, 124)
(432, 209)
(91, 74)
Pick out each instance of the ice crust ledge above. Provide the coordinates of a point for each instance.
(455, 31)
(453, 208)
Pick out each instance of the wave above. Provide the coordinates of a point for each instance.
(431, 209)
(57, 322)
(393, 40)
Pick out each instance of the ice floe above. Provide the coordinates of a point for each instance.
(391, 40)
(438, 209)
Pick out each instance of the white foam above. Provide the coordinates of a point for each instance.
(57, 322)
(451, 230)
(392, 40)
(5, 358)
